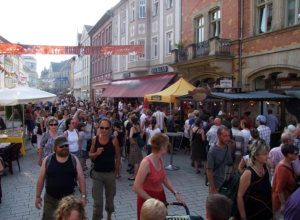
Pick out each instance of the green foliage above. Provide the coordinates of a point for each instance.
(8, 111)
(180, 45)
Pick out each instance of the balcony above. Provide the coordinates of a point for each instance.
(213, 47)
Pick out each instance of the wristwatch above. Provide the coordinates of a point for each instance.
(83, 196)
(176, 193)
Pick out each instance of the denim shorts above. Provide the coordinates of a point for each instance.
(84, 154)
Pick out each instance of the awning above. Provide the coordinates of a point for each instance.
(137, 87)
(243, 96)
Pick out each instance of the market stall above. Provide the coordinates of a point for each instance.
(20, 95)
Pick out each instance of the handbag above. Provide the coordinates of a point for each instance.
(140, 140)
(296, 182)
(33, 139)
(192, 141)
(216, 167)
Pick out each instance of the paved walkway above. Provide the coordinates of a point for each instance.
(19, 190)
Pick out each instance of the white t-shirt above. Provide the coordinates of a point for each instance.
(73, 140)
(151, 133)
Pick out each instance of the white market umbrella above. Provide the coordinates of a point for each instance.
(24, 95)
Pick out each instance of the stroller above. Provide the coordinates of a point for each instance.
(181, 217)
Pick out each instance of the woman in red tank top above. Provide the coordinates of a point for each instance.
(151, 174)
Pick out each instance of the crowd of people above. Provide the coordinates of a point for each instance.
(70, 132)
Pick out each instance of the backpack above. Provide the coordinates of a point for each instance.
(230, 189)
(50, 157)
(147, 122)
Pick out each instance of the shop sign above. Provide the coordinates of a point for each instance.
(126, 75)
(156, 98)
(225, 83)
(160, 69)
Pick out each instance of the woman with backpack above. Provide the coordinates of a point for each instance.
(283, 181)
(151, 130)
(73, 138)
(254, 197)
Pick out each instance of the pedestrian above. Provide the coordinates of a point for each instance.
(151, 176)
(153, 209)
(246, 117)
(272, 120)
(135, 156)
(218, 207)
(297, 136)
(73, 137)
(119, 134)
(291, 210)
(90, 131)
(199, 145)
(239, 142)
(47, 140)
(151, 130)
(259, 198)
(186, 137)
(84, 154)
(59, 171)
(246, 132)
(218, 157)
(212, 135)
(160, 118)
(79, 117)
(264, 131)
(30, 123)
(103, 151)
(224, 120)
(283, 184)
(70, 208)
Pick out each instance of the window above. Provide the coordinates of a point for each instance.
(293, 12)
(169, 43)
(132, 11)
(169, 3)
(142, 42)
(216, 23)
(200, 30)
(265, 16)
(122, 60)
(131, 57)
(116, 61)
(154, 47)
(155, 8)
(123, 24)
(116, 30)
(142, 13)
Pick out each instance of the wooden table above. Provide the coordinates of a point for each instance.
(14, 136)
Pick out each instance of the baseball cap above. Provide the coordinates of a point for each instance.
(261, 118)
(60, 141)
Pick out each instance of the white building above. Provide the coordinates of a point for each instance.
(78, 71)
(31, 63)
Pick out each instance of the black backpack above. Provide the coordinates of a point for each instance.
(230, 189)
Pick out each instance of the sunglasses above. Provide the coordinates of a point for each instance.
(64, 146)
(72, 123)
(106, 128)
(53, 125)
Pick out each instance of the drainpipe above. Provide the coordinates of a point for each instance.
(241, 38)
(180, 27)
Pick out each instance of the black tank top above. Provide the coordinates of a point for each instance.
(120, 138)
(60, 178)
(105, 162)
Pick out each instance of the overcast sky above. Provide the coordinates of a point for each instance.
(45, 22)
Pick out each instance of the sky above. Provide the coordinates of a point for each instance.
(45, 22)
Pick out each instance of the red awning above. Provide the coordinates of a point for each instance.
(134, 88)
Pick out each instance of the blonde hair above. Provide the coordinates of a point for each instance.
(153, 209)
(256, 148)
(68, 204)
(157, 141)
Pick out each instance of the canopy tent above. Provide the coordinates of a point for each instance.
(24, 95)
(170, 94)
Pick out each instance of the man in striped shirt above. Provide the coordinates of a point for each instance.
(160, 118)
(264, 131)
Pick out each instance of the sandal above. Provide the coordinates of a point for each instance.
(85, 168)
(198, 171)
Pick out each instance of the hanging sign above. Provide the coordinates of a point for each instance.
(225, 83)
(161, 69)
(156, 98)
(68, 50)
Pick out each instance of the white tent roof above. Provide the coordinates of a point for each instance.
(24, 95)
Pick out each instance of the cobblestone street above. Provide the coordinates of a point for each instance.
(19, 189)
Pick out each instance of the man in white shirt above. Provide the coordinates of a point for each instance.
(143, 116)
(160, 118)
(212, 136)
(120, 105)
(272, 121)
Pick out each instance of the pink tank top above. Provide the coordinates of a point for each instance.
(155, 178)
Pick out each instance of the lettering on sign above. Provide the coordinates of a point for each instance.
(156, 97)
(225, 83)
(161, 69)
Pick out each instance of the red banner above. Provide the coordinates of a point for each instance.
(69, 50)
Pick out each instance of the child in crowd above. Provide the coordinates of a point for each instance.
(153, 209)
(218, 207)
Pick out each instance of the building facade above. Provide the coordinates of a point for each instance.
(101, 71)
(259, 53)
(31, 63)
(78, 70)
(86, 41)
(59, 77)
(154, 24)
